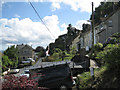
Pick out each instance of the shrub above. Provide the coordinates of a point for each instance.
(98, 46)
(85, 79)
(48, 59)
(112, 56)
(96, 49)
(115, 38)
(12, 82)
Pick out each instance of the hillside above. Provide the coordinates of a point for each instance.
(108, 75)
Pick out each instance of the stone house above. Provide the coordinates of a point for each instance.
(108, 26)
(25, 51)
(86, 39)
(76, 44)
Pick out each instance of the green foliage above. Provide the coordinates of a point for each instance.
(108, 75)
(41, 54)
(6, 62)
(98, 46)
(99, 71)
(85, 80)
(12, 54)
(100, 55)
(107, 50)
(0, 66)
(41, 51)
(73, 51)
(117, 35)
(112, 56)
(96, 49)
(58, 55)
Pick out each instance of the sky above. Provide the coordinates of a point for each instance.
(20, 24)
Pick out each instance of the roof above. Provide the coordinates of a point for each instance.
(105, 18)
(49, 64)
(20, 46)
(23, 46)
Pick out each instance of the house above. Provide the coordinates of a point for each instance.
(24, 52)
(75, 43)
(108, 26)
(64, 41)
(86, 38)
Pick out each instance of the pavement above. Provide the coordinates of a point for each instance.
(93, 64)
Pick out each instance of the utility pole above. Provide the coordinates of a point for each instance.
(92, 25)
(91, 68)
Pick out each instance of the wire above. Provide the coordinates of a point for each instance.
(40, 18)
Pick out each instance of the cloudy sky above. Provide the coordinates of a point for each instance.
(20, 24)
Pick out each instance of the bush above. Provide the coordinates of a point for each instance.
(115, 38)
(85, 79)
(112, 56)
(98, 46)
(96, 49)
(49, 59)
(12, 82)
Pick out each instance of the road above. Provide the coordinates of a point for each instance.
(38, 63)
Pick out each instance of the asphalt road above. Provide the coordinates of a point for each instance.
(38, 63)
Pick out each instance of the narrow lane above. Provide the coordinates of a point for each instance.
(38, 63)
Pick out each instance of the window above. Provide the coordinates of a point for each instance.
(101, 26)
(110, 23)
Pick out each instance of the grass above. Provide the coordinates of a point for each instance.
(86, 81)
(104, 78)
(99, 71)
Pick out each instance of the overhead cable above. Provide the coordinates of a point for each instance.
(40, 18)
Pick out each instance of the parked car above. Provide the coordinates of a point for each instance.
(28, 60)
(58, 76)
(13, 71)
(25, 73)
(25, 61)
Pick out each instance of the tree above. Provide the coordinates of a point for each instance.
(6, 62)
(57, 53)
(12, 54)
(0, 65)
(39, 48)
(41, 54)
(41, 51)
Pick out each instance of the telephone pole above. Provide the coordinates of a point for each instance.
(92, 25)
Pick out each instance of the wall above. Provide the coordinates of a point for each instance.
(109, 29)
